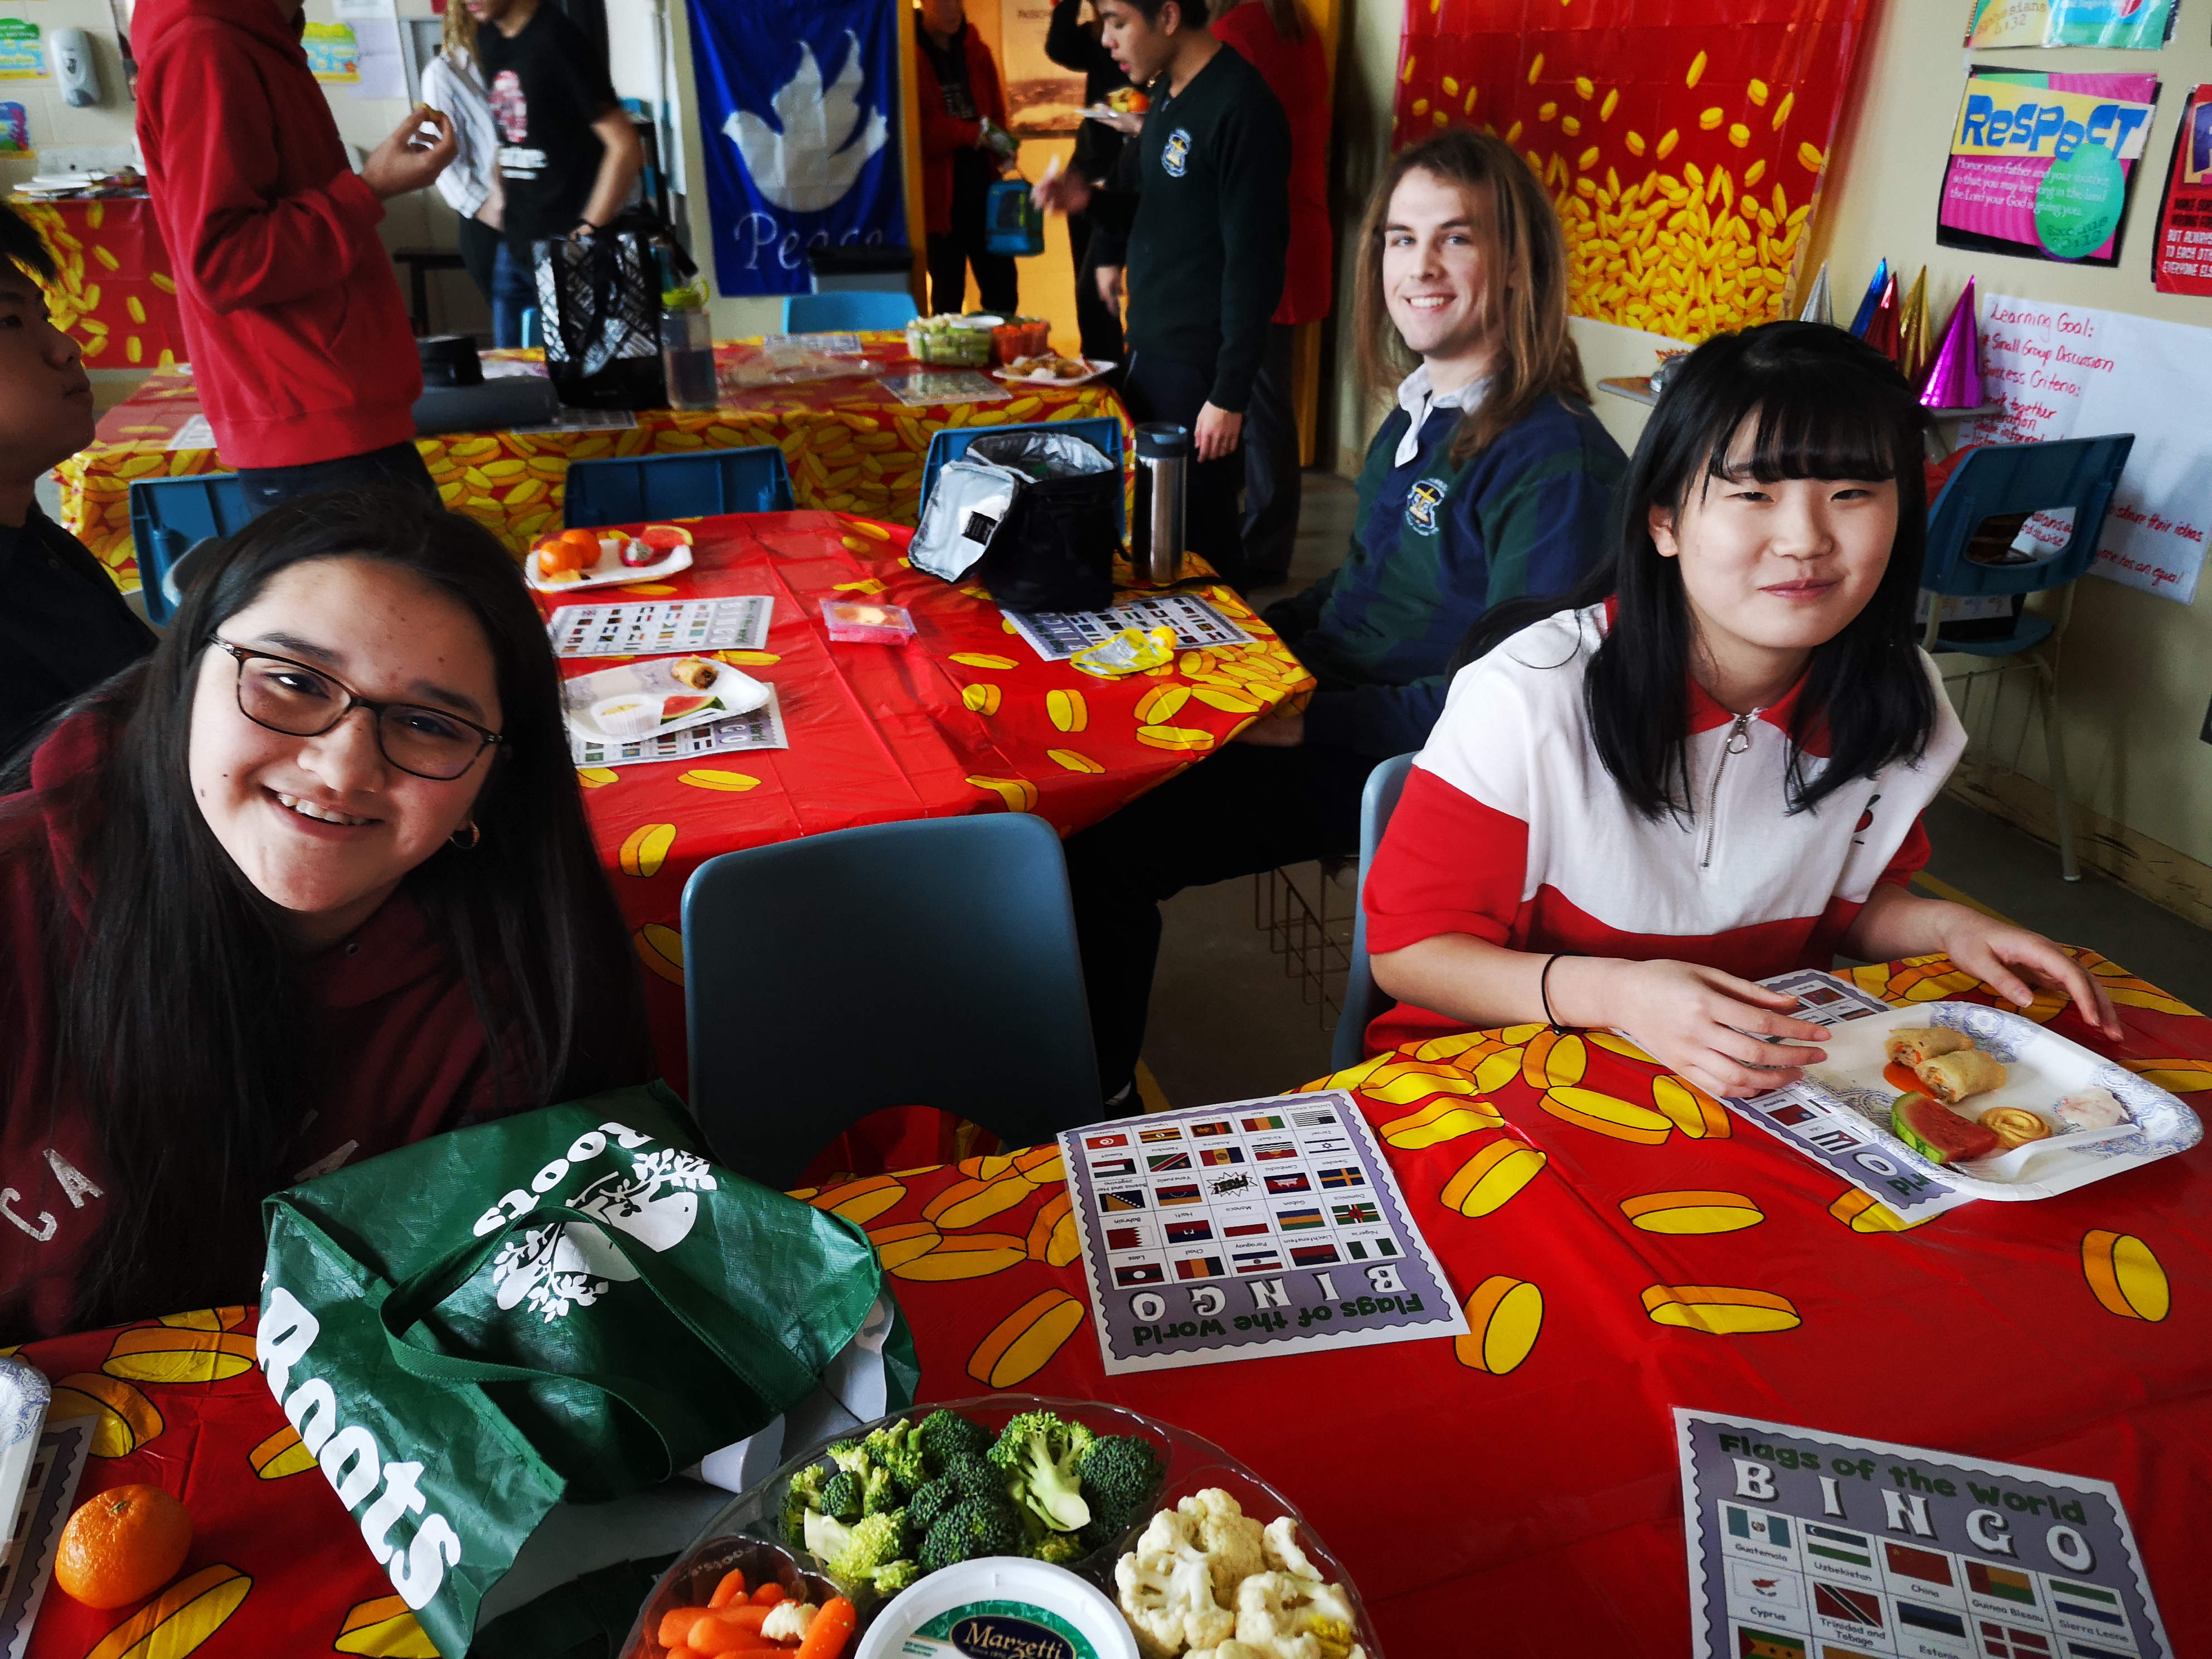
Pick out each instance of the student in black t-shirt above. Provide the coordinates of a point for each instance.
(568, 154)
(63, 628)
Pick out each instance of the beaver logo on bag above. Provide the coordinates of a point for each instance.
(573, 1264)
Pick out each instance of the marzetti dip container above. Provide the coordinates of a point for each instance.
(999, 1606)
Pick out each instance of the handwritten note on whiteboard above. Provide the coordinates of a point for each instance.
(2073, 372)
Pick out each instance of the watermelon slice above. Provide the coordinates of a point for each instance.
(1938, 1133)
(664, 538)
(683, 707)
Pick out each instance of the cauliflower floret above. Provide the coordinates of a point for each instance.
(1167, 1596)
(786, 1621)
(1230, 1537)
(1280, 1544)
(1295, 1617)
(1232, 1649)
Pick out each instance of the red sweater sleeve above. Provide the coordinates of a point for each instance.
(244, 245)
(1447, 864)
(940, 134)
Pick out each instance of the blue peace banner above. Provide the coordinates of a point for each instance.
(798, 113)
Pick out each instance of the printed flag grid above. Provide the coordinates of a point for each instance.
(1237, 1194)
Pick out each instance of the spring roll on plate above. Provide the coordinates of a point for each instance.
(1951, 1078)
(1909, 1045)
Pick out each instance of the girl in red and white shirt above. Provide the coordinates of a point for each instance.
(1710, 768)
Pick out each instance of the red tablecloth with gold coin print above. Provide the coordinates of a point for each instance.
(114, 295)
(1512, 1493)
(967, 719)
(850, 444)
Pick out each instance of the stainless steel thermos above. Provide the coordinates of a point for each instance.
(1156, 529)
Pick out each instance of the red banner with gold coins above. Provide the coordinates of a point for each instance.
(113, 294)
(1682, 140)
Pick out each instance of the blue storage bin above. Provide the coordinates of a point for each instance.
(631, 488)
(169, 517)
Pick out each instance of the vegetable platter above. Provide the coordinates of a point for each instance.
(1118, 1475)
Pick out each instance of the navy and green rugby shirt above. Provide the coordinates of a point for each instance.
(1437, 544)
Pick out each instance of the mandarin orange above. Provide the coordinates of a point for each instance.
(122, 1544)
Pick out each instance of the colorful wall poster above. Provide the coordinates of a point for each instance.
(2123, 25)
(1682, 140)
(2041, 164)
(2072, 371)
(2182, 263)
(22, 50)
(1802, 1542)
(15, 131)
(1259, 1227)
(1043, 100)
(333, 53)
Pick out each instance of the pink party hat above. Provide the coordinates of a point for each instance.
(1882, 331)
(1954, 381)
(1913, 340)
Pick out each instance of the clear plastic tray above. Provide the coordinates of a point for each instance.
(749, 1522)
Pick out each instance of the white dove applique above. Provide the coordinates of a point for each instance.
(813, 161)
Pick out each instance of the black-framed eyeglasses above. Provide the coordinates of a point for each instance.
(302, 700)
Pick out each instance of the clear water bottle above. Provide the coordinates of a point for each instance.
(687, 350)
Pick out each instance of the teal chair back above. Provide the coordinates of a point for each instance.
(631, 488)
(2002, 479)
(928, 963)
(1363, 999)
(848, 311)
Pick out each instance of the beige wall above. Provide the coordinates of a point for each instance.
(2137, 671)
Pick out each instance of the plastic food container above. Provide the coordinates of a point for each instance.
(859, 622)
(1194, 1463)
(1003, 1604)
(1024, 336)
(950, 340)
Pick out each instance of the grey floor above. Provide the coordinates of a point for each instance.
(1230, 1020)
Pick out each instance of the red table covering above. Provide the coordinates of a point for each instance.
(1510, 1493)
(966, 718)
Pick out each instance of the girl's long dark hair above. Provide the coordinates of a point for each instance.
(185, 1022)
(1820, 405)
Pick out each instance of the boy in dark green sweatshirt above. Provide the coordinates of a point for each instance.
(1203, 200)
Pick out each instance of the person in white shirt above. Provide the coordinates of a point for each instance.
(453, 82)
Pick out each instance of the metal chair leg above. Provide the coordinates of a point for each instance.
(2046, 680)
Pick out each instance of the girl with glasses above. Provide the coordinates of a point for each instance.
(311, 882)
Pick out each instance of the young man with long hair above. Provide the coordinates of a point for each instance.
(1491, 480)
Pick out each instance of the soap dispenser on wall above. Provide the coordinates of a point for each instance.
(74, 67)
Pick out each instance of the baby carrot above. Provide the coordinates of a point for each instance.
(676, 1625)
(769, 1594)
(826, 1636)
(716, 1633)
(731, 1586)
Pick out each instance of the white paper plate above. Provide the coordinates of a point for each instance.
(2040, 1066)
(1106, 112)
(611, 570)
(1096, 367)
(738, 694)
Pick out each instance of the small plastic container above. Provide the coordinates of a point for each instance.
(1003, 1604)
(859, 622)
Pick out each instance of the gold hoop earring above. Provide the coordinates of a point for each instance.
(472, 831)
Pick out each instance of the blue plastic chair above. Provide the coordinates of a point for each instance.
(951, 443)
(1363, 999)
(927, 963)
(848, 311)
(2008, 479)
(169, 517)
(630, 488)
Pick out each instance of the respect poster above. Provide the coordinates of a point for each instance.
(2183, 261)
(1807, 1545)
(2123, 25)
(2041, 164)
(2075, 372)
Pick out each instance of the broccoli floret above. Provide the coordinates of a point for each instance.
(973, 1476)
(971, 1529)
(929, 1501)
(944, 1434)
(880, 1491)
(840, 1496)
(897, 1450)
(1039, 1455)
(890, 1579)
(1060, 1548)
(868, 1548)
(1121, 1472)
(804, 1496)
(849, 1455)
(823, 1536)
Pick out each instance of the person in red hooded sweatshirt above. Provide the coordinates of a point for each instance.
(310, 883)
(301, 345)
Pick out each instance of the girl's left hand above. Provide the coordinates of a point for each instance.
(2007, 958)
